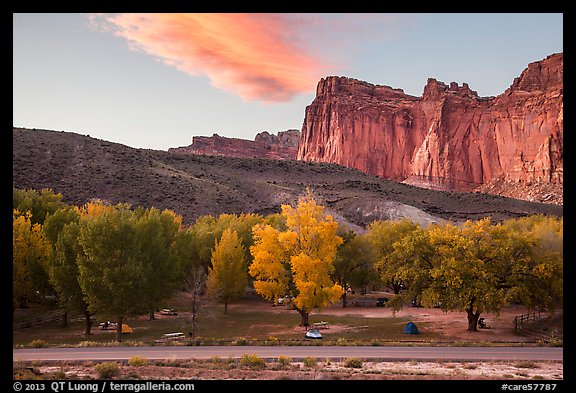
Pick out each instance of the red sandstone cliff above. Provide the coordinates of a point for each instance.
(283, 146)
(449, 138)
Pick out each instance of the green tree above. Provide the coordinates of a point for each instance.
(354, 265)
(62, 231)
(194, 274)
(227, 277)
(471, 275)
(382, 235)
(111, 269)
(543, 272)
(38, 203)
(207, 229)
(476, 267)
(298, 261)
(156, 235)
(409, 262)
(129, 260)
(64, 274)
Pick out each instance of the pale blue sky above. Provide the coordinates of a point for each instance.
(69, 75)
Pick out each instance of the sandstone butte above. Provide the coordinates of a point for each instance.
(449, 138)
(283, 146)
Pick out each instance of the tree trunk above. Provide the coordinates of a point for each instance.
(195, 307)
(472, 319)
(225, 308)
(88, 325)
(304, 317)
(344, 299)
(151, 316)
(23, 302)
(192, 333)
(65, 319)
(119, 330)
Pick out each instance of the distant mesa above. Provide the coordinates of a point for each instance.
(283, 146)
(449, 138)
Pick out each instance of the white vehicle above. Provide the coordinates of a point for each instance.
(168, 311)
(285, 300)
(107, 325)
(313, 333)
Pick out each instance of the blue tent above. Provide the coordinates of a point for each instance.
(411, 328)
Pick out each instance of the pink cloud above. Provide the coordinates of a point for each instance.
(255, 56)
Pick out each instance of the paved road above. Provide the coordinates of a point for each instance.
(382, 353)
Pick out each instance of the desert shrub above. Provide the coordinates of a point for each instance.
(60, 374)
(107, 370)
(241, 341)
(137, 361)
(353, 363)
(88, 344)
(284, 360)
(526, 364)
(310, 361)
(38, 344)
(252, 361)
(231, 363)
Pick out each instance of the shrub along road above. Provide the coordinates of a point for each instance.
(382, 353)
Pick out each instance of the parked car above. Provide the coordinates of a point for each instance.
(381, 301)
(365, 302)
(107, 325)
(416, 303)
(313, 333)
(285, 300)
(168, 311)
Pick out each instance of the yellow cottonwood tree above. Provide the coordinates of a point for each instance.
(30, 254)
(299, 260)
(93, 209)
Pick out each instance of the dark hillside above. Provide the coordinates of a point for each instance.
(81, 168)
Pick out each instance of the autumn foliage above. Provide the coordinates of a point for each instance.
(118, 261)
(299, 260)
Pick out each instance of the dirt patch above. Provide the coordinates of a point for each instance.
(451, 325)
(227, 369)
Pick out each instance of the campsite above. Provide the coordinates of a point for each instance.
(253, 320)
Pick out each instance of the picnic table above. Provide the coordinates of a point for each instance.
(171, 336)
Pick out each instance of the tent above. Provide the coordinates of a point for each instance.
(126, 329)
(410, 328)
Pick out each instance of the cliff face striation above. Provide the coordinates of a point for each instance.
(283, 146)
(449, 138)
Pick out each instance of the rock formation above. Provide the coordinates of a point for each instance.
(283, 146)
(449, 138)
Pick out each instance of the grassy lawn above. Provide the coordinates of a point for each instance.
(244, 324)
